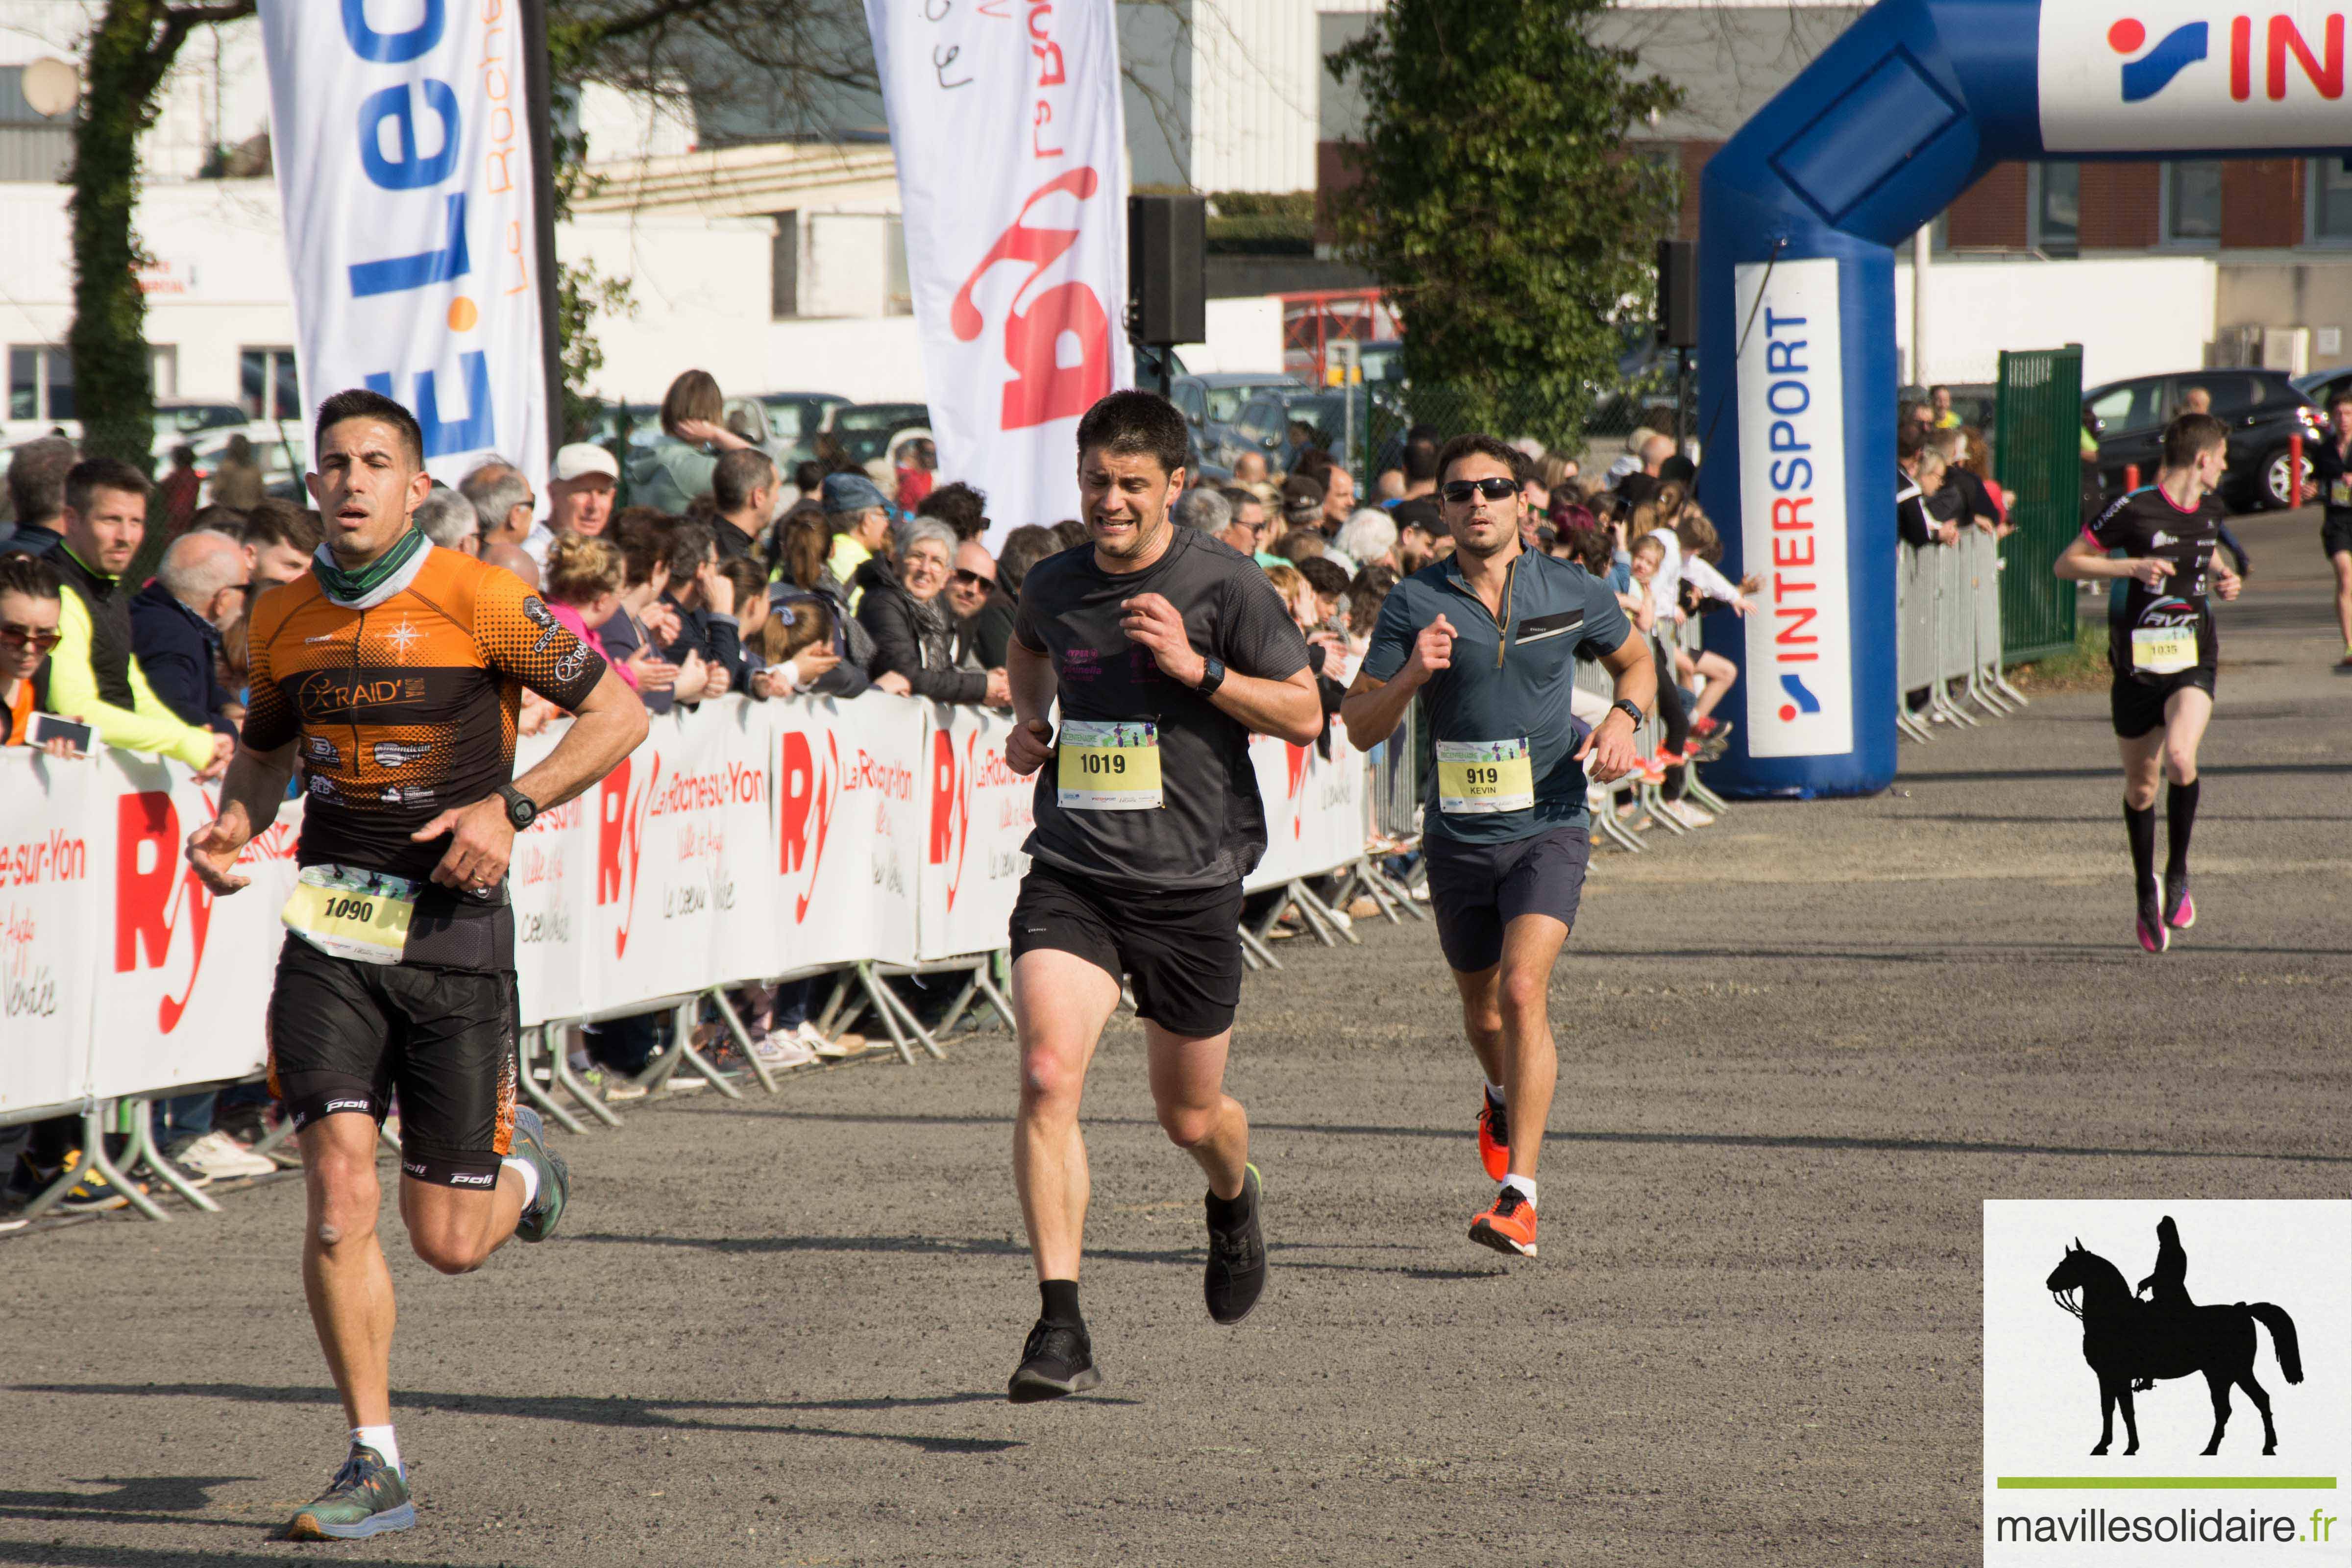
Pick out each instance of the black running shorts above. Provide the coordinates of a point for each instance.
(343, 1035)
(2137, 705)
(1182, 951)
(2336, 533)
(1476, 889)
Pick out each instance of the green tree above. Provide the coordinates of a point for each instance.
(1498, 204)
(130, 50)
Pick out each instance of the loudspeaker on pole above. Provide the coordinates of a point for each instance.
(1677, 294)
(1167, 270)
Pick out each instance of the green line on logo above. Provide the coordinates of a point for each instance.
(2167, 1483)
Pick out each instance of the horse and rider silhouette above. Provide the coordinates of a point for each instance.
(2130, 1343)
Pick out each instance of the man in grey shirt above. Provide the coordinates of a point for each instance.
(1167, 650)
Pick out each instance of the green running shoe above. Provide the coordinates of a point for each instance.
(530, 1140)
(367, 1498)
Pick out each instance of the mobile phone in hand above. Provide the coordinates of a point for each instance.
(43, 728)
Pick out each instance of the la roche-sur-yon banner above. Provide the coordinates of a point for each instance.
(1004, 116)
(405, 167)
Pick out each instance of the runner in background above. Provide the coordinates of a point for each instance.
(397, 669)
(2160, 541)
(1487, 643)
(2331, 467)
(1168, 649)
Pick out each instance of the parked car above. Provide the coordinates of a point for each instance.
(863, 430)
(2261, 408)
(1265, 421)
(179, 424)
(794, 419)
(1209, 403)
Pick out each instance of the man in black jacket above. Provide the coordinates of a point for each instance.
(37, 493)
(705, 602)
(177, 623)
(744, 488)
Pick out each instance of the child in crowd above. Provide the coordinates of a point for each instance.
(797, 645)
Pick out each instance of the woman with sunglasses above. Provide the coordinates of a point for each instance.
(29, 607)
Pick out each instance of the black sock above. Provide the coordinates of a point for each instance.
(1232, 1210)
(2140, 822)
(1061, 1303)
(2180, 822)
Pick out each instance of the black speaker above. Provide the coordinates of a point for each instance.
(1168, 268)
(1678, 294)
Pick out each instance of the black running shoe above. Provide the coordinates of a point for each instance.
(2179, 909)
(1056, 1362)
(1237, 1272)
(530, 1140)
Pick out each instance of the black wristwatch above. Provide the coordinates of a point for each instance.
(1626, 707)
(520, 811)
(1212, 675)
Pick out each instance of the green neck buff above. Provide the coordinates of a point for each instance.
(368, 584)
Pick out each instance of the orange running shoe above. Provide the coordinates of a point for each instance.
(1494, 1137)
(1509, 1225)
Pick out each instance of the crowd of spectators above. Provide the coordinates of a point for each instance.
(721, 575)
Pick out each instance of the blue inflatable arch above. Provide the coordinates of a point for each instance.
(1799, 214)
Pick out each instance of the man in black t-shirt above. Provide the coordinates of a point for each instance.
(1167, 649)
(2160, 542)
(2331, 467)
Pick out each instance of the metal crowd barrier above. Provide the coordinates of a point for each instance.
(1947, 636)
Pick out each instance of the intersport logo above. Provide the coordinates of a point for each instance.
(2182, 75)
(2285, 53)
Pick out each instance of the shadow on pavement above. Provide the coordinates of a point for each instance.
(135, 1500)
(614, 1411)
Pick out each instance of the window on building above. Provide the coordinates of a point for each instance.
(2192, 204)
(40, 383)
(898, 291)
(2331, 200)
(163, 369)
(2058, 208)
(266, 378)
(784, 266)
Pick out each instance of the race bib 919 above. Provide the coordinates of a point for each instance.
(1476, 776)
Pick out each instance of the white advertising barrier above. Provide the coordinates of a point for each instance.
(184, 978)
(404, 167)
(740, 841)
(1006, 122)
(48, 928)
(981, 813)
(1317, 811)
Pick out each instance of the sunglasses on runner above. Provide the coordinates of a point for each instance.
(24, 635)
(1460, 491)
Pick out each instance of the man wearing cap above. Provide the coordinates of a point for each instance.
(860, 521)
(1302, 502)
(580, 490)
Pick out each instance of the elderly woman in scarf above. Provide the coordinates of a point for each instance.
(914, 635)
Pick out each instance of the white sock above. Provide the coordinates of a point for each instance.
(380, 1440)
(1526, 1185)
(530, 1175)
(1498, 1094)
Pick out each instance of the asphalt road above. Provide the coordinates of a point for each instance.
(1796, 1055)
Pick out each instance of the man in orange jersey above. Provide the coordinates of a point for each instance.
(393, 672)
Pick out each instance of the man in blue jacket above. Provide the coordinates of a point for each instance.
(177, 623)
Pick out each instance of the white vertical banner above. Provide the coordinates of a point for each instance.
(404, 167)
(1792, 493)
(49, 927)
(981, 814)
(1005, 116)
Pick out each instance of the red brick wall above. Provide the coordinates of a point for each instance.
(2261, 202)
(1992, 211)
(1695, 155)
(2122, 206)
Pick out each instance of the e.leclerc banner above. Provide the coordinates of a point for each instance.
(1005, 116)
(405, 168)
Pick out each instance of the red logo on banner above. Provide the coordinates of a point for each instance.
(806, 802)
(149, 904)
(1296, 756)
(620, 840)
(1043, 388)
(951, 805)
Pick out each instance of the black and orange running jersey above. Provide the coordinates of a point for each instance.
(407, 707)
